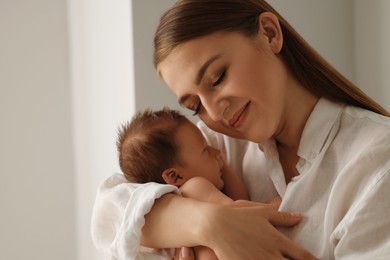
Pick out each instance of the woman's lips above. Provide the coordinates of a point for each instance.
(239, 117)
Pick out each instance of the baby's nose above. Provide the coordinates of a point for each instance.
(218, 156)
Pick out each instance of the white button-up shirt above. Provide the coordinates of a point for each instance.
(342, 188)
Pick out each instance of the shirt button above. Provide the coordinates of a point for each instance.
(301, 162)
(312, 155)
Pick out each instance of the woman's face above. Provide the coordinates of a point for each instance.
(235, 84)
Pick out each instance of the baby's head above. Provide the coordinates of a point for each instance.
(146, 145)
(165, 147)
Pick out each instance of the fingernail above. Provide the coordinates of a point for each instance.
(296, 214)
(185, 252)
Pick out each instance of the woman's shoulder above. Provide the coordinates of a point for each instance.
(366, 125)
(364, 135)
(363, 115)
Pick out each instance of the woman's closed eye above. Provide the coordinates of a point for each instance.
(197, 108)
(220, 79)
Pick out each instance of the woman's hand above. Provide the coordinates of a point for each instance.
(249, 233)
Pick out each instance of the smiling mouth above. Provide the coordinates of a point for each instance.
(239, 117)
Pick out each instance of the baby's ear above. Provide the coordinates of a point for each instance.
(172, 176)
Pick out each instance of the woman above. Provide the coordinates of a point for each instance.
(288, 123)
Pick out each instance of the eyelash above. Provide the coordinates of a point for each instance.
(215, 84)
(220, 79)
(197, 109)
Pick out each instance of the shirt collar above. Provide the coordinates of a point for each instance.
(317, 128)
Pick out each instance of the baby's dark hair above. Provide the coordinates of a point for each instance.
(146, 144)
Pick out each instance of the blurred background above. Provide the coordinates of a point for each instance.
(72, 70)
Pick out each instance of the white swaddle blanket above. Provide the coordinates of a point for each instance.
(118, 217)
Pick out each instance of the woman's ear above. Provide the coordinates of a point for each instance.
(172, 176)
(269, 27)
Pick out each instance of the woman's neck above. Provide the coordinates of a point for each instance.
(299, 105)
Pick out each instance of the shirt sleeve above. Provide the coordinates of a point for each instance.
(118, 215)
(365, 233)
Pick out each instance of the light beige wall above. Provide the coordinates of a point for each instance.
(150, 91)
(37, 187)
(102, 98)
(372, 37)
(327, 26)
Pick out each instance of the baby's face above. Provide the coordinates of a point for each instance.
(198, 157)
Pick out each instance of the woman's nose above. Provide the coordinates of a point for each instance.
(215, 108)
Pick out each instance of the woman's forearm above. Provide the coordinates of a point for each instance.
(174, 221)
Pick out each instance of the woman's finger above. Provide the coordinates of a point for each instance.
(293, 251)
(186, 253)
(285, 219)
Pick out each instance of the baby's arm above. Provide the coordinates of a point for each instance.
(234, 187)
(201, 189)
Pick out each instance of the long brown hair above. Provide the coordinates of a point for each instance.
(189, 19)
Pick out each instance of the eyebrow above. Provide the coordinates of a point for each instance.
(203, 69)
(200, 75)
